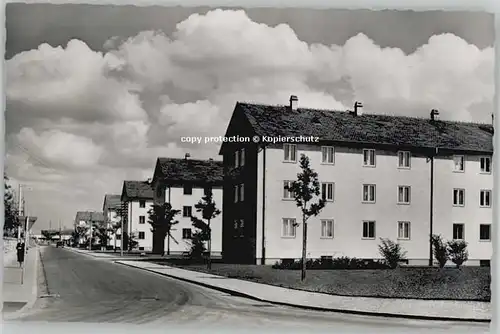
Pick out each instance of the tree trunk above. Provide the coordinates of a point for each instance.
(168, 243)
(114, 237)
(304, 249)
(209, 260)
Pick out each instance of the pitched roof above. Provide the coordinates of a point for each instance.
(189, 170)
(345, 127)
(111, 202)
(89, 216)
(137, 190)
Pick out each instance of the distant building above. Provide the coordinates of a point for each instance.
(112, 207)
(375, 173)
(137, 198)
(183, 183)
(89, 219)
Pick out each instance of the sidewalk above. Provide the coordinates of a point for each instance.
(20, 288)
(404, 308)
(113, 256)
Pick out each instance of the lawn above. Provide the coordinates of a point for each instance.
(466, 283)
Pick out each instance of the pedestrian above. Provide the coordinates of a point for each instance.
(20, 252)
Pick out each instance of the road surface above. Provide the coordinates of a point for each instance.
(90, 290)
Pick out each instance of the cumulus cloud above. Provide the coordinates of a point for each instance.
(98, 118)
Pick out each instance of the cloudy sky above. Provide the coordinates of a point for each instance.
(96, 93)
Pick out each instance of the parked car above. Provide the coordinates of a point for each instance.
(59, 244)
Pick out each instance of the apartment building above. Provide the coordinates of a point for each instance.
(401, 178)
(183, 183)
(137, 200)
(111, 208)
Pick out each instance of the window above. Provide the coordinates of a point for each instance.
(484, 263)
(288, 228)
(290, 151)
(327, 228)
(485, 165)
(242, 157)
(287, 194)
(458, 163)
(186, 211)
(369, 157)
(485, 198)
(241, 228)
(404, 159)
(485, 232)
(142, 236)
(458, 197)
(328, 155)
(369, 193)
(368, 230)
(327, 190)
(242, 192)
(142, 219)
(458, 231)
(142, 204)
(404, 194)
(237, 158)
(186, 233)
(188, 189)
(404, 230)
(236, 194)
(207, 190)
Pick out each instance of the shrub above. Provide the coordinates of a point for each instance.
(392, 252)
(440, 250)
(197, 248)
(458, 252)
(325, 263)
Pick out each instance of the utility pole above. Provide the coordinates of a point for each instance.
(20, 208)
(90, 238)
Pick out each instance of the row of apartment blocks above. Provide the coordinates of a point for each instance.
(383, 176)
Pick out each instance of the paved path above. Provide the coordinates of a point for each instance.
(88, 289)
(19, 288)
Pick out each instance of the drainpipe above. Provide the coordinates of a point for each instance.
(263, 255)
(431, 208)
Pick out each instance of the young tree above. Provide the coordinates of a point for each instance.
(208, 209)
(102, 230)
(304, 190)
(458, 252)
(11, 221)
(392, 252)
(162, 219)
(440, 250)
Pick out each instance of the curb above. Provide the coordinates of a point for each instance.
(313, 308)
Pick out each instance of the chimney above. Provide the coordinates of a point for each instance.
(357, 108)
(186, 156)
(434, 114)
(294, 102)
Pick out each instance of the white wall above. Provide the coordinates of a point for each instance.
(134, 212)
(348, 211)
(176, 197)
(113, 218)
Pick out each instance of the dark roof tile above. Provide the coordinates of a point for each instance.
(342, 126)
(190, 170)
(137, 190)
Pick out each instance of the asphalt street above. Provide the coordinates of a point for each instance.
(81, 289)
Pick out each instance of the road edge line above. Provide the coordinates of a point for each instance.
(312, 308)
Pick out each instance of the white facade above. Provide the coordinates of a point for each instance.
(348, 211)
(137, 223)
(113, 217)
(176, 197)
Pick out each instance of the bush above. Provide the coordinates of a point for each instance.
(458, 252)
(198, 248)
(392, 252)
(326, 263)
(440, 250)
